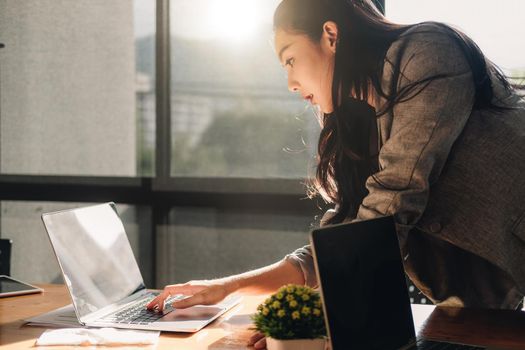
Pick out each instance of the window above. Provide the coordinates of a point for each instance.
(73, 96)
(204, 243)
(144, 29)
(79, 100)
(231, 112)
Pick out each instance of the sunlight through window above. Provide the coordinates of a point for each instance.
(234, 20)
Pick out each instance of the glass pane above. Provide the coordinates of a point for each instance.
(209, 243)
(496, 29)
(69, 88)
(232, 114)
(32, 257)
(144, 25)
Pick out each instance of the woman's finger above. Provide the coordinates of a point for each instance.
(159, 300)
(201, 292)
(255, 338)
(174, 289)
(260, 344)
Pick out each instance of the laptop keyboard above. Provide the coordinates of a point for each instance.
(137, 313)
(435, 345)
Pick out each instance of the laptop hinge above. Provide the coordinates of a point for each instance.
(139, 288)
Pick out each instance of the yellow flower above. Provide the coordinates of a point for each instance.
(290, 288)
(317, 312)
(299, 292)
(265, 311)
(268, 301)
(281, 313)
(276, 304)
(293, 303)
(305, 310)
(306, 297)
(317, 303)
(296, 315)
(289, 297)
(279, 295)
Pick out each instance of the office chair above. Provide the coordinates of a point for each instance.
(5, 256)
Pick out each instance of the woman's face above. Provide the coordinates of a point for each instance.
(309, 65)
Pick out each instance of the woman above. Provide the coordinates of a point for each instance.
(417, 124)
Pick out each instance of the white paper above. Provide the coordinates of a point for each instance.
(97, 336)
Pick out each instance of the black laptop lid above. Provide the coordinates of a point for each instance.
(363, 285)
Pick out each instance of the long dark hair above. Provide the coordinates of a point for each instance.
(347, 155)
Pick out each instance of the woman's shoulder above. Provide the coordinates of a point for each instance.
(430, 47)
(427, 30)
(432, 36)
(426, 33)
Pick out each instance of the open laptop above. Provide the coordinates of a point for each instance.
(358, 267)
(103, 277)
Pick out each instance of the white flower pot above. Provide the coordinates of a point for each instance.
(295, 344)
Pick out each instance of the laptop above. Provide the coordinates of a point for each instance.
(358, 266)
(103, 278)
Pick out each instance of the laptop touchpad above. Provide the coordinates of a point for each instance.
(195, 313)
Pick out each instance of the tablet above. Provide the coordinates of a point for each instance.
(10, 286)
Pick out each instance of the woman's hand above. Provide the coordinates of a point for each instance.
(257, 340)
(200, 293)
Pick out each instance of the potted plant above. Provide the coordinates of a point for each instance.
(291, 319)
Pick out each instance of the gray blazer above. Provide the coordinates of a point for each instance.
(455, 179)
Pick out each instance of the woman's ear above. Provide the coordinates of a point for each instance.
(330, 35)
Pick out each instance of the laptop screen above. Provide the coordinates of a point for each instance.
(95, 256)
(363, 285)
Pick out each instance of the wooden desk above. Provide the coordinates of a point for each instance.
(500, 328)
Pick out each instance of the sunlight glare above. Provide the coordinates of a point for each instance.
(234, 20)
